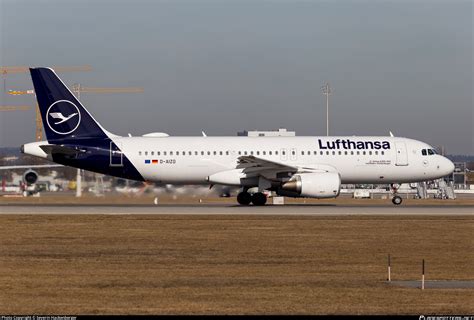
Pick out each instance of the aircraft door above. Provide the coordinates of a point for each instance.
(116, 155)
(402, 156)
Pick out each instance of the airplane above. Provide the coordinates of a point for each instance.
(297, 166)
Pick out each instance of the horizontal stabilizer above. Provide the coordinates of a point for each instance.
(58, 149)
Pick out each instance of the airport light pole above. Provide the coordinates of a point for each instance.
(327, 92)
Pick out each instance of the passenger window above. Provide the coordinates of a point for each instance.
(363, 152)
(333, 153)
(293, 153)
(352, 153)
(209, 153)
(177, 153)
(370, 152)
(227, 153)
(190, 153)
(376, 152)
(240, 153)
(164, 153)
(251, 152)
(202, 153)
(196, 153)
(171, 153)
(276, 153)
(139, 153)
(358, 152)
(423, 152)
(157, 153)
(269, 152)
(264, 153)
(327, 152)
(258, 153)
(321, 153)
(245, 152)
(345, 152)
(146, 153)
(283, 152)
(340, 152)
(382, 152)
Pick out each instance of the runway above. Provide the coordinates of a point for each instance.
(219, 209)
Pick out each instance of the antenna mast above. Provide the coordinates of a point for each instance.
(327, 92)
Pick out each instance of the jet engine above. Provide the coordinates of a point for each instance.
(312, 185)
(30, 177)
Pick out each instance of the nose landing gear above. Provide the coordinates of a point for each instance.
(396, 199)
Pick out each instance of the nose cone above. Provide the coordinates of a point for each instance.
(447, 166)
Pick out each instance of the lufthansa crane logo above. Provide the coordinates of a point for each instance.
(63, 117)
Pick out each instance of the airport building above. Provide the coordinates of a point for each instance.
(282, 132)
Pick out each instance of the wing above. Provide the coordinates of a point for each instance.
(272, 170)
(251, 163)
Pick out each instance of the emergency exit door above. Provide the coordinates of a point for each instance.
(402, 156)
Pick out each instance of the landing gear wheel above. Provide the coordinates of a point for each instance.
(397, 200)
(259, 199)
(244, 198)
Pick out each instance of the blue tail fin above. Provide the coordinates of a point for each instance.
(64, 117)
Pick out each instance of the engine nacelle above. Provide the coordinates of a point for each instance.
(30, 177)
(312, 185)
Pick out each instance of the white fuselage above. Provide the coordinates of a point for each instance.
(191, 160)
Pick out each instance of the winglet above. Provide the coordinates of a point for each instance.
(391, 134)
(204, 134)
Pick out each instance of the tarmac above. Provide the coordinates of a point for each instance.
(225, 209)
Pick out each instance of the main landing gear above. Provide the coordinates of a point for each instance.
(258, 199)
(396, 200)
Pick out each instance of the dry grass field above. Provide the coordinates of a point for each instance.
(145, 264)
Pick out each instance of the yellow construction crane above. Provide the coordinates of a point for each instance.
(77, 88)
(38, 122)
(25, 69)
(15, 108)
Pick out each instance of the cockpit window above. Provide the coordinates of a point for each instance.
(430, 152)
(423, 152)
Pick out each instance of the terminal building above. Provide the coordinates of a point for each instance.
(282, 132)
